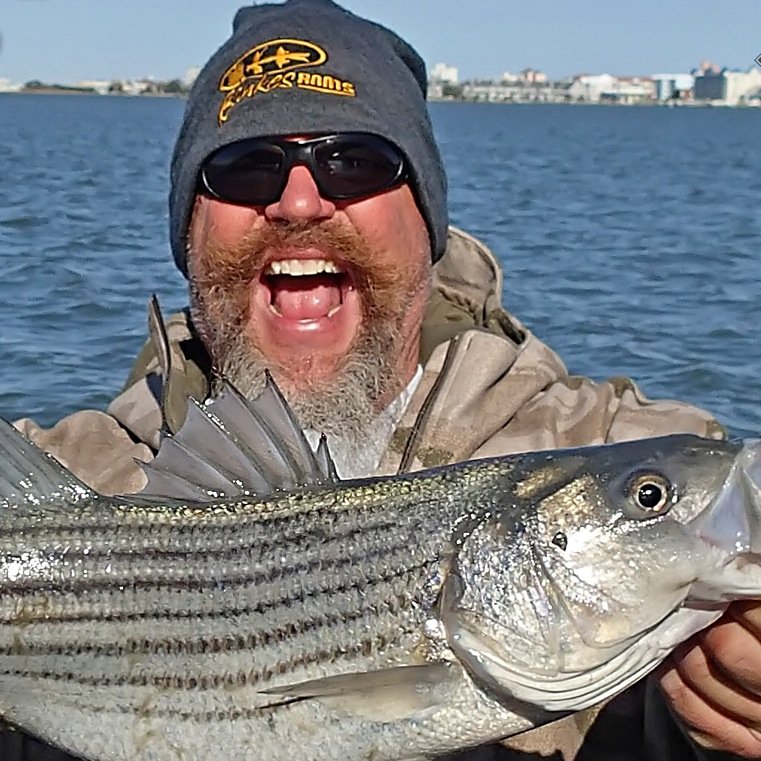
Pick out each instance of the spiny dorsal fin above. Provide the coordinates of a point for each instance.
(325, 460)
(30, 476)
(158, 335)
(173, 397)
(233, 446)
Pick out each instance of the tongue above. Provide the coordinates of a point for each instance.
(308, 297)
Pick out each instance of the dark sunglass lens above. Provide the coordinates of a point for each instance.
(246, 173)
(351, 167)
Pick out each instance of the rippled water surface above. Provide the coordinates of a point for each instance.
(631, 240)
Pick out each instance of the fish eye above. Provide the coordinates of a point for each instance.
(651, 493)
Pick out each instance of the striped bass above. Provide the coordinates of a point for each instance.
(249, 604)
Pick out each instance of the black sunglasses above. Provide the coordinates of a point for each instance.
(254, 172)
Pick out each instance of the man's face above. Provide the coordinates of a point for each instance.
(328, 295)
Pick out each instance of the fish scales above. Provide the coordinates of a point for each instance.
(269, 591)
(379, 620)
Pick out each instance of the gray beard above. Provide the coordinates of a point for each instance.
(346, 406)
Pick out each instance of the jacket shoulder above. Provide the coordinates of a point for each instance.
(95, 447)
(466, 294)
(575, 411)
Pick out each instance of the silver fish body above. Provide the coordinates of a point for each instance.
(391, 618)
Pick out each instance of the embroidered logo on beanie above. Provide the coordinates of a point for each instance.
(274, 65)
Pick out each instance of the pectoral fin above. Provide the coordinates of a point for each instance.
(392, 694)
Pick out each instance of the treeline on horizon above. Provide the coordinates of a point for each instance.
(145, 87)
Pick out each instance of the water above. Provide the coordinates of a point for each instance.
(631, 240)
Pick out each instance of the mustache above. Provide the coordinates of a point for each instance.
(226, 270)
(244, 258)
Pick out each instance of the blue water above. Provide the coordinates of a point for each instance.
(631, 240)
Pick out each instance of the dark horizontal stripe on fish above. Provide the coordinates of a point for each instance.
(189, 581)
(197, 717)
(320, 506)
(214, 681)
(284, 601)
(100, 539)
(97, 547)
(250, 641)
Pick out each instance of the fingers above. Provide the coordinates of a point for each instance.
(748, 613)
(706, 726)
(732, 648)
(713, 683)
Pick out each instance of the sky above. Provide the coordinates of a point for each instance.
(66, 41)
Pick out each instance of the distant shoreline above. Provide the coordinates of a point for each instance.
(584, 103)
(86, 91)
(648, 104)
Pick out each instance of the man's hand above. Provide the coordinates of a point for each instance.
(713, 682)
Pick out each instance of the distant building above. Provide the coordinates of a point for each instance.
(673, 87)
(515, 92)
(100, 86)
(708, 67)
(605, 88)
(588, 88)
(7, 86)
(442, 81)
(728, 88)
(532, 76)
(444, 74)
(630, 91)
(138, 86)
(486, 91)
(710, 85)
(191, 75)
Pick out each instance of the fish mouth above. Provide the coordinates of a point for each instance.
(730, 529)
(732, 522)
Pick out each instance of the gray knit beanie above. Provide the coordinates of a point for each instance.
(309, 67)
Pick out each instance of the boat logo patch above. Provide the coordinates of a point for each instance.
(277, 65)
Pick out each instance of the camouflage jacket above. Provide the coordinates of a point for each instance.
(488, 387)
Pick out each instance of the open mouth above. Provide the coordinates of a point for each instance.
(305, 290)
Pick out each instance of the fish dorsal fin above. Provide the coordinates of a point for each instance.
(158, 336)
(325, 460)
(173, 394)
(392, 694)
(30, 476)
(232, 446)
(160, 343)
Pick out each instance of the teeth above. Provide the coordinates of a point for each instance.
(298, 267)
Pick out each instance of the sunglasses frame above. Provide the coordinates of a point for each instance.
(302, 152)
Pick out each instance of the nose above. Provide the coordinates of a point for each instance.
(300, 200)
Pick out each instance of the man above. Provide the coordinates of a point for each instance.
(308, 210)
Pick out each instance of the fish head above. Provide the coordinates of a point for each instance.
(577, 580)
(730, 529)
